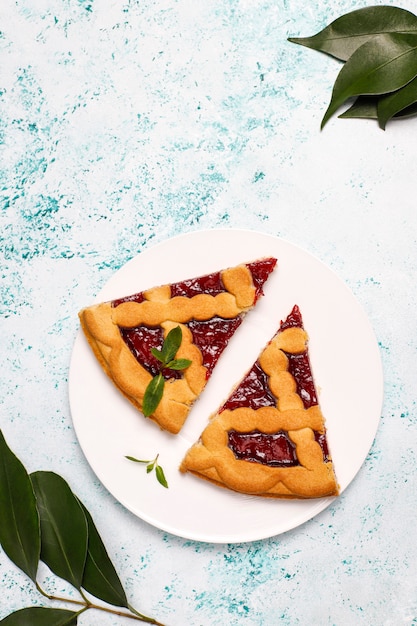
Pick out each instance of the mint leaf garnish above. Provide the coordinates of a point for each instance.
(153, 395)
(152, 465)
(170, 346)
(166, 357)
(178, 364)
(161, 476)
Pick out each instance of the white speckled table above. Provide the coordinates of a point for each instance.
(127, 122)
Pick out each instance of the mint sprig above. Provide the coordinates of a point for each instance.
(166, 357)
(379, 47)
(150, 466)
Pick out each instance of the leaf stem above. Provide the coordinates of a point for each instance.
(86, 604)
(132, 615)
(49, 596)
(149, 620)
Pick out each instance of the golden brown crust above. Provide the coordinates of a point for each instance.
(101, 324)
(212, 459)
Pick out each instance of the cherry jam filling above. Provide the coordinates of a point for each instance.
(294, 319)
(260, 271)
(140, 340)
(322, 441)
(299, 364)
(275, 450)
(211, 284)
(253, 392)
(211, 337)
(299, 368)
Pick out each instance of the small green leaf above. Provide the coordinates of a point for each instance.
(161, 476)
(178, 364)
(40, 616)
(382, 65)
(154, 391)
(366, 107)
(153, 395)
(64, 531)
(158, 355)
(132, 458)
(100, 577)
(350, 31)
(395, 102)
(171, 344)
(19, 521)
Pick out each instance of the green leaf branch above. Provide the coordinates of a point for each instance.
(150, 466)
(378, 46)
(166, 357)
(42, 520)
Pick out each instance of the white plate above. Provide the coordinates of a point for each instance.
(345, 360)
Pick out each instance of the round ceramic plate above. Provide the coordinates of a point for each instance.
(350, 389)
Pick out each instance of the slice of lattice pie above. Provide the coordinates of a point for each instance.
(269, 437)
(129, 337)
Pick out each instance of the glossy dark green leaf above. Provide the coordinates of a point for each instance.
(153, 395)
(100, 577)
(64, 530)
(19, 518)
(382, 65)
(364, 107)
(395, 102)
(40, 616)
(410, 111)
(347, 33)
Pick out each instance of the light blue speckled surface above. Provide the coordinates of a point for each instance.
(127, 122)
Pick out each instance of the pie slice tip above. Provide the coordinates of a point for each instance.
(269, 437)
(208, 309)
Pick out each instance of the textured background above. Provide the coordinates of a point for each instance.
(127, 122)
